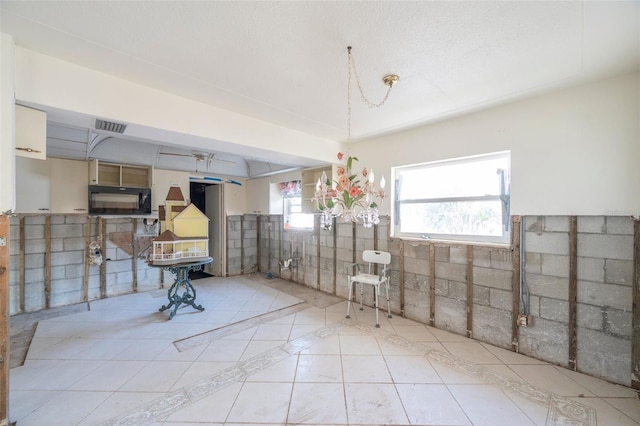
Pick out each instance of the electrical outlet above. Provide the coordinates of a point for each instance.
(525, 320)
(3, 241)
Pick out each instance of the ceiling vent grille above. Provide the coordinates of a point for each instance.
(110, 126)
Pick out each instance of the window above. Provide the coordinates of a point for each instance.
(460, 199)
(293, 216)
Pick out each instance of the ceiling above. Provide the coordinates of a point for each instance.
(285, 62)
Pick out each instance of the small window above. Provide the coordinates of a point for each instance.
(460, 199)
(293, 216)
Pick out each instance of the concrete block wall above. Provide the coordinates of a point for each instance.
(68, 255)
(604, 272)
(604, 311)
(234, 245)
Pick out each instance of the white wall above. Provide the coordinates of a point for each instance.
(7, 114)
(573, 152)
(49, 82)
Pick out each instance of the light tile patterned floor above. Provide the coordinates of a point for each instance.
(263, 356)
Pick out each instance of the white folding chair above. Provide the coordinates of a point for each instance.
(356, 275)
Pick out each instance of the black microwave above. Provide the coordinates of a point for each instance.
(119, 200)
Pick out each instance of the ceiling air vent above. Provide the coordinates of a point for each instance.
(110, 126)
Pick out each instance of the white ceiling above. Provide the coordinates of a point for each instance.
(285, 62)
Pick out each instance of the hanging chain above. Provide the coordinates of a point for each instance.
(352, 64)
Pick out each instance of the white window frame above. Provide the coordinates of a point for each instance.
(290, 222)
(503, 195)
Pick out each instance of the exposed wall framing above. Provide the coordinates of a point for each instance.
(515, 281)
(573, 292)
(4, 318)
(635, 337)
(470, 291)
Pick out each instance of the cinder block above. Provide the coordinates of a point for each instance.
(442, 287)
(598, 294)
(481, 295)
(482, 257)
(621, 225)
(545, 340)
(35, 275)
(451, 271)
(500, 299)
(604, 356)
(33, 232)
(548, 242)
(492, 326)
(533, 263)
(458, 290)
(555, 265)
(442, 253)
(74, 243)
(618, 272)
(417, 266)
(590, 269)
(501, 259)
(556, 224)
(618, 323)
(495, 278)
(451, 315)
(534, 224)
(589, 316)
(35, 260)
(591, 225)
(458, 254)
(547, 286)
(32, 246)
(606, 246)
(554, 309)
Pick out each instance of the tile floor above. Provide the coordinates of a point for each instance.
(259, 355)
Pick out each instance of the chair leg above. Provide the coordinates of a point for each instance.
(361, 296)
(376, 291)
(388, 302)
(349, 302)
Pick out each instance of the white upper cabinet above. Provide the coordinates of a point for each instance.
(31, 133)
(69, 189)
(33, 185)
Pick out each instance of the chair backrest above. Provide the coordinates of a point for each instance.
(376, 256)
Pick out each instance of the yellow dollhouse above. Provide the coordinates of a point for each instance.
(184, 232)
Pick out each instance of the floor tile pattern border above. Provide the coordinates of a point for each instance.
(561, 410)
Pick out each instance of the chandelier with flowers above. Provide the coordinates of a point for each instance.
(353, 197)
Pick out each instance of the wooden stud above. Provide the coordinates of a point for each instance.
(85, 278)
(432, 285)
(470, 291)
(334, 223)
(101, 234)
(269, 226)
(21, 278)
(317, 232)
(573, 292)
(4, 318)
(47, 261)
(226, 257)
(134, 255)
(401, 283)
(635, 319)
(258, 239)
(515, 281)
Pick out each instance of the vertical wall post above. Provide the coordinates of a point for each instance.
(241, 244)
(21, 278)
(134, 255)
(334, 223)
(470, 291)
(432, 285)
(258, 239)
(635, 321)
(317, 234)
(401, 283)
(4, 318)
(102, 233)
(573, 292)
(515, 281)
(47, 261)
(87, 243)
